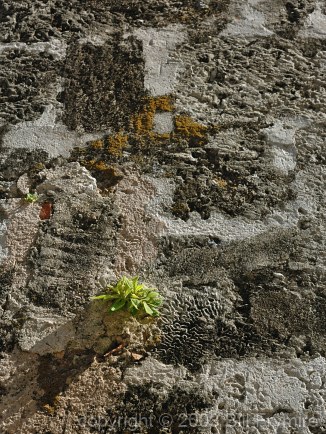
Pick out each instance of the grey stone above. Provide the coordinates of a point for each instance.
(43, 335)
(218, 203)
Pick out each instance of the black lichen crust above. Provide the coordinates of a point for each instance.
(24, 81)
(105, 83)
(148, 401)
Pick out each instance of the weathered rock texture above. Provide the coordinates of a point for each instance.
(181, 141)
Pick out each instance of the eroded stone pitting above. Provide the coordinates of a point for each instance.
(105, 82)
(268, 274)
(262, 396)
(36, 328)
(162, 13)
(233, 87)
(28, 79)
(40, 21)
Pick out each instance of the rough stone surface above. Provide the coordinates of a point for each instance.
(29, 78)
(105, 82)
(183, 142)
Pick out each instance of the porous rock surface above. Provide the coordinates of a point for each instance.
(181, 141)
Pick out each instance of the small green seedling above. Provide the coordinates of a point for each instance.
(31, 197)
(130, 295)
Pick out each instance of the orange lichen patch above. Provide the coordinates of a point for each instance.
(117, 143)
(162, 136)
(59, 354)
(143, 122)
(49, 409)
(45, 211)
(100, 165)
(90, 164)
(163, 103)
(95, 165)
(38, 166)
(191, 130)
(57, 400)
(222, 183)
(97, 144)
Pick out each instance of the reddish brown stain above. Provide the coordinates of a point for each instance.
(46, 211)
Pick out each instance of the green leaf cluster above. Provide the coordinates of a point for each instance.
(133, 296)
(31, 197)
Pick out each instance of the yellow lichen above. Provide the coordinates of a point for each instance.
(96, 165)
(163, 103)
(100, 165)
(57, 400)
(59, 354)
(97, 144)
(191, 130)
(39, 166)
(222, 183)
(49, 409)
(80, 150)
(143, 136)
(143, 122)
(117, 143)
(91, 163)
(162, 136)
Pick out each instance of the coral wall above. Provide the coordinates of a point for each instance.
(184, 142)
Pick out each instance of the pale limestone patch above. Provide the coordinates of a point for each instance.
(247, 21)
(19, 226)
(70, 179)
(45, 133)
(163, 123)
(315, 25)
(140, 230)
(23, 184)
(161, 70)
(281, 140)
(55, 47)
(151, 368)
(45, 334)
(3, 243)
(282, 146)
